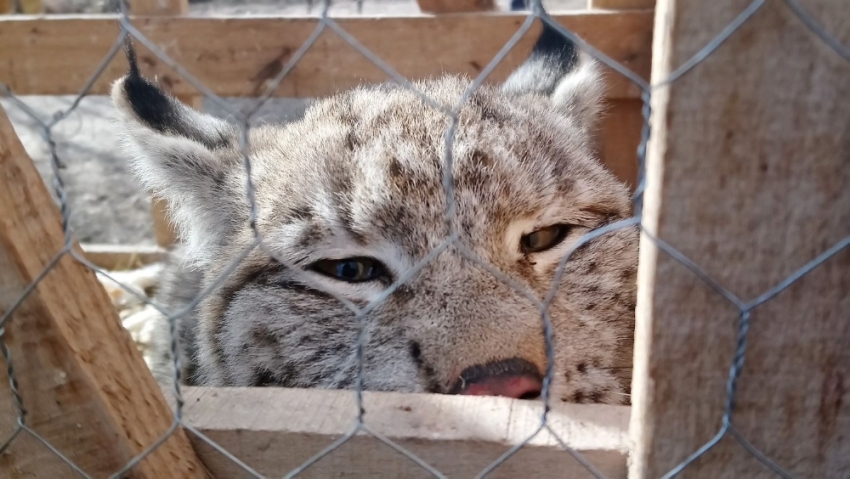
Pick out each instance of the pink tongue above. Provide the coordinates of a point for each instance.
(516, 387)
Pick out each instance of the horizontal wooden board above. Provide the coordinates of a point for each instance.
(611, 4)
(274, 430)
(237, 56)
(122, 257)
(455, 6)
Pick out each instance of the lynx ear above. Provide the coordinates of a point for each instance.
(557, 69)
(186, 157)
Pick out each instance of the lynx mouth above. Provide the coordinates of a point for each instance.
(514, 377)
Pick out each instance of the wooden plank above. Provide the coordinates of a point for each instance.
(122, 257)
(274, 430)
(163, 228)
(31, 7)
(455, 6)
(620, 4)
(239, 56)
(748, 177)
(159, 7)
(620, 132)
(86, 389)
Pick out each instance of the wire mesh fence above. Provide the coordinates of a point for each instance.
(327, 25)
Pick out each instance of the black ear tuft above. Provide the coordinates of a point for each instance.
(557, 69)
(556, 50)
(152, 105)
(130, 51)
(163, 113)
(553, 57)
(149, 103)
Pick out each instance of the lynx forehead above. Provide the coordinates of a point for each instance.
(352, 199)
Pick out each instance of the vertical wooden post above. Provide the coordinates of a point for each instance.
(7, 7)
(748, 176)
(85, 387)
(163, 229)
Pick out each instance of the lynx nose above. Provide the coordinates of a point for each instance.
(514, 378)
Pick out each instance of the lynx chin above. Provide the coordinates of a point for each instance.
(352, 196)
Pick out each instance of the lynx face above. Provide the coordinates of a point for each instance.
(352, 195)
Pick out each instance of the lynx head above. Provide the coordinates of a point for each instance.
(350, 202)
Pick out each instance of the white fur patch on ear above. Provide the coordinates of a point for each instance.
(119, 100)
(580, 93)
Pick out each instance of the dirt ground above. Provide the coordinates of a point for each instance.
(106, 203)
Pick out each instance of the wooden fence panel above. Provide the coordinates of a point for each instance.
(748, 177)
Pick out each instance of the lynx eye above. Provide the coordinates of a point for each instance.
(544, 238)
(352, 270)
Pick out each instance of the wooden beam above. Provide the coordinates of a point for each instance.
(274, 430)
(620, 4)
(163, 228)
(159, 7)
(122, 257)
(31, 7)
(239, 56)
(748, 177)
(85, 388)
(619, 133)
(455, 6)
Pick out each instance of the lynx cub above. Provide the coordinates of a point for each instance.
(352, 195)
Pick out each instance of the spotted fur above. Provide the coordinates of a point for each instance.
(362, 175)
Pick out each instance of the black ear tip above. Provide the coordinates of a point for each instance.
(553, 42)
(149, 103)
(130, 51)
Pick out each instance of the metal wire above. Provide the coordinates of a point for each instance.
(17, 400)
(326, 25)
